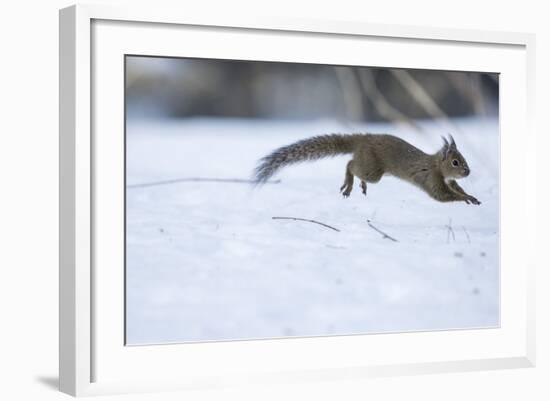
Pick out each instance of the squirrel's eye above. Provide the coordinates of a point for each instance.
(455, 163)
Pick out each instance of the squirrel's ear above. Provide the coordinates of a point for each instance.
(446, 147)
(453, 143)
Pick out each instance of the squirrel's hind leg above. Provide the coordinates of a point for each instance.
(348, 181)
(364, 187)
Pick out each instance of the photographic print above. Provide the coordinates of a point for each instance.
(276, 200)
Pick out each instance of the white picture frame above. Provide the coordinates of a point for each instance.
(93, 358)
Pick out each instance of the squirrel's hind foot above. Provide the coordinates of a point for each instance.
(346, 190)
(364, 188)
(473, 200)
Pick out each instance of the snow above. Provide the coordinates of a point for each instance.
(206, 261)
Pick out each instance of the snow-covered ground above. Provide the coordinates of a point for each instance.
(206, 261)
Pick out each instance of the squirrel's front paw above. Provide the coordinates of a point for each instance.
(473, 200)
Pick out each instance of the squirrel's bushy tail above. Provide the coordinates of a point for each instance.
(305, 150)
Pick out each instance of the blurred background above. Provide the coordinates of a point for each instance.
(175, 87)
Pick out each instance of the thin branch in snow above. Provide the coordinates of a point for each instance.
(198, 179)
(450, 231)
(307, 220)
(467, 235)
(384, 235)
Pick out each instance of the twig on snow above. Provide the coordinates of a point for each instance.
(384, 235)
(307, 220)
(198, 179)
(450, 231)
(467, 235)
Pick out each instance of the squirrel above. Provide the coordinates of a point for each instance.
(375, 155)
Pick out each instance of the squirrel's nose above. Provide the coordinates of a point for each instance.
(466, 171)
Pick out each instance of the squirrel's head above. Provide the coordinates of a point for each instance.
(453, 164)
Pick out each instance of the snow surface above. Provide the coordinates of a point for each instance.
(206, 261)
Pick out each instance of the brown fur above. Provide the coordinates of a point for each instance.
(375, 156)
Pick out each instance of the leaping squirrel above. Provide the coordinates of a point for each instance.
(375, 155)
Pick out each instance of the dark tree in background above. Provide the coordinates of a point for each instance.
(176, 87)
